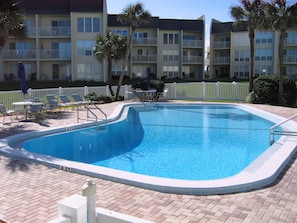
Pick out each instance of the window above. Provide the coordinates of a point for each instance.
(61, 50)
(22, 49)
(170, 55)
(140, 38)
(89, 72)
(264, 54)
(88, 25)
(120, 32)
(264, 37)
(61, 28)
(241, 39)
(242, 55)
(262, 69)
(170, 71)
(170, 38)
(85, 47)
(241, 71)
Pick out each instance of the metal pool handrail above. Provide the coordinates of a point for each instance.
(273, 131)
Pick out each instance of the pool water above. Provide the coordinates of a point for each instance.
(190, 142)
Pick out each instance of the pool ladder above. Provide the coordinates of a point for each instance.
(89, 111)
(273, 130)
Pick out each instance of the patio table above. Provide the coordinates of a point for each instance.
(26, 105)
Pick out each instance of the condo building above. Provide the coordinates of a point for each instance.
(60, 41)
(229, 55)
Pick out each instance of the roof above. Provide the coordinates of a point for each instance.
(164, 24)
(61, 6)
(225, 27)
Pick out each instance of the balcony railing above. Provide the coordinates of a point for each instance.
(221, 60)
(221, 44)
(193, 43)
(290, 41)
(193, 59)
(290, 59)
(32, 54)
(144, 58)
(19, 54)
(54, 31)
(145, 41)
(46, 54)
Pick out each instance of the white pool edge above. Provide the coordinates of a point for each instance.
(260, 173)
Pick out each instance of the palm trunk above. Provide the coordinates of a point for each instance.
(124, 65)
(109, 78)
(252, 59)
(281, 62)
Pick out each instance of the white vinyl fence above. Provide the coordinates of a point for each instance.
(176, 91)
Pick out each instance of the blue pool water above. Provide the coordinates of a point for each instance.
(192, 142)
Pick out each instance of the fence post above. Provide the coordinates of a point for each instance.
(89, 191)
(60, 91)
(235, 87)
(203, 90)
(174, 90)
(218, 90)
(86, 90)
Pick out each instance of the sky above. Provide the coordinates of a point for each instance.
(181, 9)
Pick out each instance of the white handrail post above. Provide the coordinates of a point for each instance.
(89, 191)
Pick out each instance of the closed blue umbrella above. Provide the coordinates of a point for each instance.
(21, 73)
(148, 72)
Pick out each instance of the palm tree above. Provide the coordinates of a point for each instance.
(11, 21)
(134, 16)
(280, 16)
(251, 14)
(110, 47)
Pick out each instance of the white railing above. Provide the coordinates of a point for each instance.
(176, 91)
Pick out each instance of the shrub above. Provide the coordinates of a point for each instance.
(266, 90)
(101, 98)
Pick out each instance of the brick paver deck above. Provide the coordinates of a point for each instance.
(29, 192)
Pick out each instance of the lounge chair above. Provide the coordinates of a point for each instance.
(78, 99)
(9, 113)
(64, 101)
(53, 104)
(36, 110)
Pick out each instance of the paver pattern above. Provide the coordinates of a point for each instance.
(29, 192)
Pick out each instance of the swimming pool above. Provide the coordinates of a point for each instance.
(198, 159)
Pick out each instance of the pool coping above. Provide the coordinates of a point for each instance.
(261, 173)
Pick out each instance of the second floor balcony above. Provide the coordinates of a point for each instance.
(221, 44)
(145, 41)
(290, 41)
(144, 58)
(54, 31)
(19, 54)
(45, 54)
(193, 59)
(291, 59)
(221, 60)
(193, 44)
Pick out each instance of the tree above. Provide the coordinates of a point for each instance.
(110, 47)
(252, 14)
(280, 16)
(134, 16)
(11, 21)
